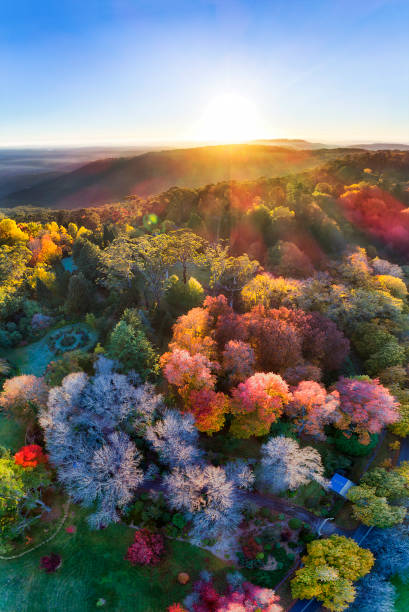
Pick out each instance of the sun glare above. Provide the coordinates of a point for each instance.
(229, 118)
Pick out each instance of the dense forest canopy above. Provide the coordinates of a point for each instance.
(191, 361)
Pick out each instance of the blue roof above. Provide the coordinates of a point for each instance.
(340, 484)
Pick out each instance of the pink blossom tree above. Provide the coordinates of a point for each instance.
(366, 407)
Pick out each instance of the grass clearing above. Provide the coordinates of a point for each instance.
(93, 566)
(35, 357)
(12, 434)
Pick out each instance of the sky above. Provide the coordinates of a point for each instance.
(155, 71)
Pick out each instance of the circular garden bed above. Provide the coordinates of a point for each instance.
(64, 340)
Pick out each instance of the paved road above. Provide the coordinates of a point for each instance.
(404, 451)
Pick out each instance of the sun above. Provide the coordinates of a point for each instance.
(229, 118)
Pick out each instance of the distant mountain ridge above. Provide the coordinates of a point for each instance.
(380, 146)
(112, 179)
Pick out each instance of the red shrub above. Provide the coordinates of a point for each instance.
(251, 548)
(50, 563)
(30, 456)
(147, 548)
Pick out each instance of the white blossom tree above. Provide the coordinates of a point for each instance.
(85, 428)
(284, 465)
(175, 438)
(207, 496)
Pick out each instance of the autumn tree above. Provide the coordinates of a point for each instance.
(209, 409)
(257, 403)
(376, 499)
(229, 274)
(193, 332)
(331, 566)
(238, 361)
(268, 291)
(146, 549)
(366, 407)
(276, 342)
(312, 408)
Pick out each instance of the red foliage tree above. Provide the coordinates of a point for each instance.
(238, 361)
(209, 409)
(276, 342)
(377, 212)
(147, 548)
(238, 597)
(322, 343)
(50, 562)
(251, 548)
(188, 372)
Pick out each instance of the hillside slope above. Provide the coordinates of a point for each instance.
(110, 180)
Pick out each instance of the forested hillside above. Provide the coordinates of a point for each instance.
(182, 374)
(112, 179)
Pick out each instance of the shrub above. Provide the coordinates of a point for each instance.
(30, 456)
(295, 523)
(352, 446)
(147, 548)
(50, 563)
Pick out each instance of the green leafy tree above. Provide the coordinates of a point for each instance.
(373, 510)
(229, 274)
(186, 247)
(87, 257)
(129, 345)
(79, 297)
(180, 297)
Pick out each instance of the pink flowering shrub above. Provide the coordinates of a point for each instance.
(312, 408)
(147, 548)
(366, 407)
(257, 403)
(240, 596)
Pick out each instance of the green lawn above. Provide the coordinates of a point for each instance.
(93, 566)
(11, 433)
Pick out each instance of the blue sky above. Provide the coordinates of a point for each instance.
(105, 71)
